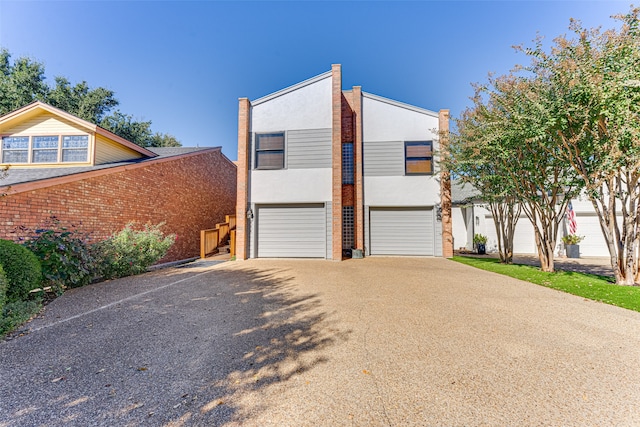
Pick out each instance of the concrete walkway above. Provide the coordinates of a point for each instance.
(373, 342)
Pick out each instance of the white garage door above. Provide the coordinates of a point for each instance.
(286, 231)
(594, 243)
(401, 231)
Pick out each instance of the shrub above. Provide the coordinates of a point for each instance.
(572, 239)
(3, 288)
(480, 239)
(64, 254)
(22, 269)
(131, 251)
(16, 313)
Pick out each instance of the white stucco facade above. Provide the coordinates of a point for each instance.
(306, 105)
(291, 186)
(395, 191)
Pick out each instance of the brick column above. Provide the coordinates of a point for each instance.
(336, 156)
(242, 200)
(445, 188)
(358, 209)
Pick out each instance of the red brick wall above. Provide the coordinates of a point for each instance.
(189, 193)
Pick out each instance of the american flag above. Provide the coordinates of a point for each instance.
(571, 219)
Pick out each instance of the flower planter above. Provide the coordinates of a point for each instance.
(481, 249)
(573, 251)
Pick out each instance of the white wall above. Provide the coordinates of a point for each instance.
(308, 107)
(290, 186)
(401, 191)
(389, 121)
(463, 228)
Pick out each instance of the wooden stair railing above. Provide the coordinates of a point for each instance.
(212, 239)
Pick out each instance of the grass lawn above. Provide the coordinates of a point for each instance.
(598, 288)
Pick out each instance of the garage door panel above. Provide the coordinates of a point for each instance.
(401, 231)
(291, 231)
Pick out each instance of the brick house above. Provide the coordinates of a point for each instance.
(322, 170)
(85, 175)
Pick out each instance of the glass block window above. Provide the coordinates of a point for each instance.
(270, 151)
(347, 227)
(15, 149)
(347, 163)
(45, 149)
(418, 157)
(75, 148)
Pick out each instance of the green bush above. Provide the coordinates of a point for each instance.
(3, 288)
(22, 269)
(64, 254)
(131, 251)
(16, 313)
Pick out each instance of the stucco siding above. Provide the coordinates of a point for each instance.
(290, 185)
(401, 190)
(383, 121)
(308, 107)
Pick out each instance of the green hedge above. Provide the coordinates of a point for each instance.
(4, 284)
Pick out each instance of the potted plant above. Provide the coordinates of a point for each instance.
(571, 245)
(480, 242)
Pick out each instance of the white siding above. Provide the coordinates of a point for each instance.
(383, 158)
(308, 149)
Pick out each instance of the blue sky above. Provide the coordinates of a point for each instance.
(183, 65)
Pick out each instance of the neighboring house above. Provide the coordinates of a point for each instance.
(84, 175)
(469, 217)
(322, 170)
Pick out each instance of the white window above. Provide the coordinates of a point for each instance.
(75, 148)
(15, 149)
(45, 149)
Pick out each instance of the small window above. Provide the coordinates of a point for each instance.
(75, 148)
(347, 163)
(418, 157)
(270, 151)
(15, 149)
(45, 149)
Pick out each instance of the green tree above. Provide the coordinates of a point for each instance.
(23, 81)
(80, 100)
(20, 83)
(593, 107)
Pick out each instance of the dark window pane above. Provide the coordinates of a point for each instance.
(347, 163)
(270, 160)
(270, 142)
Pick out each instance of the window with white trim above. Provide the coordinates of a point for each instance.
(15, 149)
(270, 150)
(45, 149)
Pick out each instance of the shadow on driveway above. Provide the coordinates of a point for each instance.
(173, 347)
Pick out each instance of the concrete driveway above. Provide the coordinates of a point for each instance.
(373, 342)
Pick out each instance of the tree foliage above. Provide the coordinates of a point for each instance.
(568, 120)
(23, 81)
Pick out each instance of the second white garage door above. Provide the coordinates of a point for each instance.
(286, 231)
(401, 231)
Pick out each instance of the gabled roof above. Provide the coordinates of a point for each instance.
(20, 114)
(399, 104)
(292, 88)
(463, 193)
